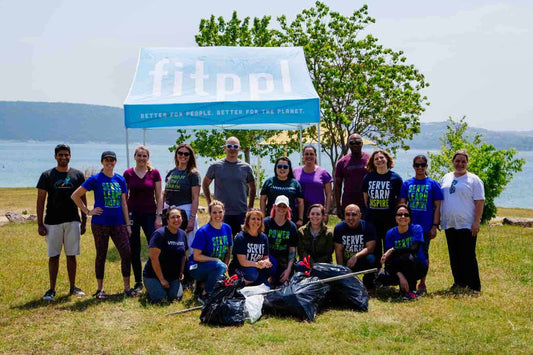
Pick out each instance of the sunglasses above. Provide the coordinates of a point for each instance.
(184, 153)
(282, 166)
(355, 142)
(452, 188)
(403, 215)
(232, 146)
(420, 165)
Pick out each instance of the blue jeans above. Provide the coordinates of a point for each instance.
(156, 292)
(209, 271)
(255, 275)
(147, 222)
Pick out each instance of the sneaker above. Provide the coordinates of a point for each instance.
(202, 298)
(76, 291)
(410, 296)
(138, 287)
(49, 295)
(422, 290)
(100, 295)
(130, 293)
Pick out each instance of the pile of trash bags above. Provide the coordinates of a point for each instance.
(303, 297)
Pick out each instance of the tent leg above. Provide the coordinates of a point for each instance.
(319, 146)
(301, 146)
(127, 150)
(144, 136)
(258, 173)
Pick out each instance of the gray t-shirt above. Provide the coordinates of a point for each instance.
(230, 184)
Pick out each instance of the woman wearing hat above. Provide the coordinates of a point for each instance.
(282, 236)
(109, 219)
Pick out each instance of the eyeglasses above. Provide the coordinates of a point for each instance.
(232, 146)
(350, 214)
(355, 142)
(403, 215)
(282, 166)
(184, 153)
(452, 188)
(420, 165)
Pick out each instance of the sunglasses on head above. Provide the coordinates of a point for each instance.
(355, 142)
(184, 153)
(403, 214)
(232, 146)
(282, 166)
(420, 165)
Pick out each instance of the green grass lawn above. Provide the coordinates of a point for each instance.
(500, 320)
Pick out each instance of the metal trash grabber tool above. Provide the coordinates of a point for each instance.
(323, 281)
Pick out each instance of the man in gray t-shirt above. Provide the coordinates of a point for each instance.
(231, 177)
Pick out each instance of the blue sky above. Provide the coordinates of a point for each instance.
(477, 55)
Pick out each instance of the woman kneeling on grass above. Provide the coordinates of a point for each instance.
(110, 219)
(164, 269)
(404, 260)
(211, 249)
(250, 251)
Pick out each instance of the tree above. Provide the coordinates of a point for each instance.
(363, 87)
(494, 167)
(235, 32)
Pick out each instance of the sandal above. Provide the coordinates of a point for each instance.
(130, 293)
(100, 295)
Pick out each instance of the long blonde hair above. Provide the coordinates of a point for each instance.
(142, 147)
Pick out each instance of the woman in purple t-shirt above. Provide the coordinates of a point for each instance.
(315, 181)
(145, 204)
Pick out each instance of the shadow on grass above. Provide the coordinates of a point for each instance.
(82, 304)
(42, 303)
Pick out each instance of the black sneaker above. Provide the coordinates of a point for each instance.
(100, 295)
(49, 295)
(138, 287)
(76, 291)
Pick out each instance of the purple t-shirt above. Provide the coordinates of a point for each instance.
(141, 199)
(312, 185)
(352, 171)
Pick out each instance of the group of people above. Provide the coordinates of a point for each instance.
(386, 223)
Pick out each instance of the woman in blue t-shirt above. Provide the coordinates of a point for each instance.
(109, 219)
(404, 260)
(211, 249)
(250, 251)
(164, 269)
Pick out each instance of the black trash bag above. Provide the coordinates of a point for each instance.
(345, 293)
(225, 305)
(301, 298)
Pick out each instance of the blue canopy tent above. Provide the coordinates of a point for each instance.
(221, 88)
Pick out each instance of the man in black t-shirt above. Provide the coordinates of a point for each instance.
(61, 225)
(354, 241)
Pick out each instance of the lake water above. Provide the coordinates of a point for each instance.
(22, 163)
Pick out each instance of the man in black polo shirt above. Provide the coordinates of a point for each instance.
(61, 225)
(354, 241)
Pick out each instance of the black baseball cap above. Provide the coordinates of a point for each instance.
(108, 154)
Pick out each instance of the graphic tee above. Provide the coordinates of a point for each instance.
(231, 181)
(141, 199)
(213, 242)
(420, 195)
(178, 186)
(273, 187)
(255, 248)
(404, 240)
(353, 240)
(173, 247)
(59, 186)
(280, 238)
(107, 195)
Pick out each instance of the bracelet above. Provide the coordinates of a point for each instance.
(435, 224)
(159, 214)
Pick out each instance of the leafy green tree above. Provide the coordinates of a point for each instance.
(494, 167)
(363, 87)
(235, 32)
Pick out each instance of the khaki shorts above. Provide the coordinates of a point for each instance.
(67, 234)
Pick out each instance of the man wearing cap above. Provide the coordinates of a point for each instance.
(354, 240)
(282, 236)
(61, 225)
(231, 176)
(350, 171)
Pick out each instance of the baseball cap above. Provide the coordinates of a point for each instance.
(108, 154)
(282, 199)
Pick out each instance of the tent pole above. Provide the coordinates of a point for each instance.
(258, 171)
(319, 146)
(144, 136)
(127, 150)
(301, 146)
